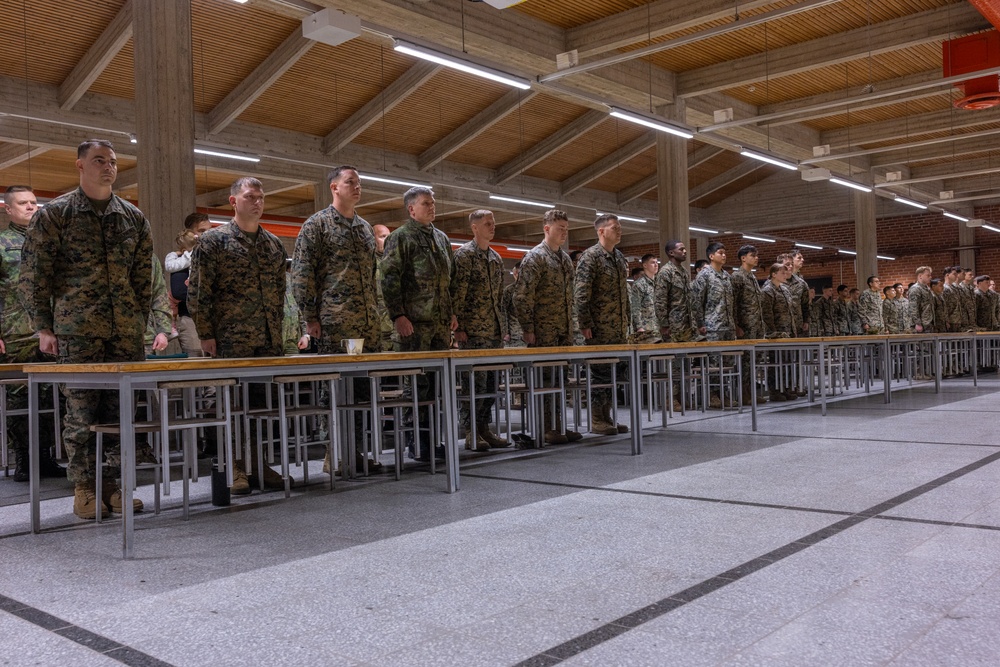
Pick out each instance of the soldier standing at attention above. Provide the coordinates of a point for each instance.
(333, 280)
(672, 300)
(86, 280)
(799, 289)
(712, 303)
(890, 314)
(921, 302)
(476, 292)
(953, 310)
(776, 309)
(747, 308)
(903, 309)
(853, 316)
(643, 303)
(602, 304)
(968, 292)
(985, 316)
(416, 277)
(513, 336)
(18, 344)
(544, 301)
(839, 312)
(236, 295)
(870, 308)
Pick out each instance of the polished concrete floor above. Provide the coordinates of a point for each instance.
(870, 536)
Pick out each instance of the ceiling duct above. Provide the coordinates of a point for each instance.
(973, 53)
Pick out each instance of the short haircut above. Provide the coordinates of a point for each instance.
(922, 270)
(746, 250)
(714, 247)
(8, 195)
(194, 219)
(636, 271)
(245, 182)
(335, 173)
(872, 279)
(777, 266)
(648, 256)
(935, 282)
(670, 245)
(967, 270)
(414, 193)
(575, 255)
(794, 252)
(982, 279)
(898, 285)
(699, 264)
(841, 287)
(855, 290)
(478, 215)
(885, 290)
(782, 257)
(85, 146)
(604, 219)
(554, 214)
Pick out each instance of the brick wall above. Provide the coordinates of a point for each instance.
(914, 240)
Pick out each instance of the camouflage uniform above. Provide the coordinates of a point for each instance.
(822, 317)
(416, 277)
(940, 307)
(904, 314)
(22, 345)
(747, 313)
(968, 293)
(776, 310)
(839, 316)
(511, 325)
(293, 325)
(801, 312)
(672, 295)
(160, 317)
(602, 303)
(985, 312)
(921, 302)
(712, 304)
(643, 305)
(476, 293)
(870, 311)
(953, 309)
(384, 321)
(333, 279)
(890, 316)
(543, 296)
(854, 327)
(236, 292)
(86, 276)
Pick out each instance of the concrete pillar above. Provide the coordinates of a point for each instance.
(672, 181)
(322, 197)
(966, 241)
(865, 237)
(164, 110)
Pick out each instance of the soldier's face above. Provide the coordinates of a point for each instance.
(611, 232)
(718, 257)
(21, 207)
(788, 265)
(651, 266)
(968, 277)
(381, 234)
(924, 278)
(202, 227)
(346, 188)
(98, 168)
(876, 284)
(751, 259)
(557, 232)
(679, 253)
(891, 294)
(422, 209)
(797, 261)
(248, 204)
(485, 228)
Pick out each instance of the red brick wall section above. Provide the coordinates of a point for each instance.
(914, 240)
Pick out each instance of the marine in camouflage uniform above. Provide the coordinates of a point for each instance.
(747, 307)
(712, 304)
(840, 315)
(86, 279)
(870, 308)
(602, 304)
(853, 316)
(20, 341)
(985, 313)
(672, 297)
(953, 303)
(822, 314)
(776, 308)
(799, 289)
(922, 306)
(968, 292)
(543, 301)
(642, 300)
(476, 295)
(514, 337)
(890, 311)
(293, 326)
(416, 277)
(385, 322)
(903, 311)
(160, 317)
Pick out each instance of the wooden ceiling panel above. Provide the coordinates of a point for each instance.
(626, 174)
(436, 108)
(44, 40)
(957, 133)
(537, 118)
(54, 170)
(736, 187)
(940, 102)
(714, 167)
(587, 149)
(571, 13)
(326, 86)
(992, 155)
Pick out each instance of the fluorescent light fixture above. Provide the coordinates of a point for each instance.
(132, 139)
(231, 156)
(847, 252)
(885, 257)
(851, 184)
(240, 2)
(991, 228)
(512, 248)
(526, 202)
(461, 65)
(703, 230)
(910, 202)
(392, 181)
(625, 217)
(955, 216)
(770, 160)
(218, 221)
(806, 245)
(758, 238)
(650, 122)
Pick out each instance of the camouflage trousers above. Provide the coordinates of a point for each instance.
(27, 352)
(486, 385)
(92, 406)
(745, 359)
(361, 388)
(601, 374)
(549, 402)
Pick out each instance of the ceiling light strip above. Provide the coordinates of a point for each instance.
(758, 238)
(703, 230)
(850, 184)
(231, 156)
(526, 202)
(806, 245)
(784, 164)
(653, 123)
(461, 65)
(910, 202)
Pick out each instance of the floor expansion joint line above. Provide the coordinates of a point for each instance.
(108, 647)
(674, 496)
(834, 437)
(937, 522)
(621, 625)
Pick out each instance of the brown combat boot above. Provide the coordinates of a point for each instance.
(112, 495)
(85, 501)
(491, 438)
